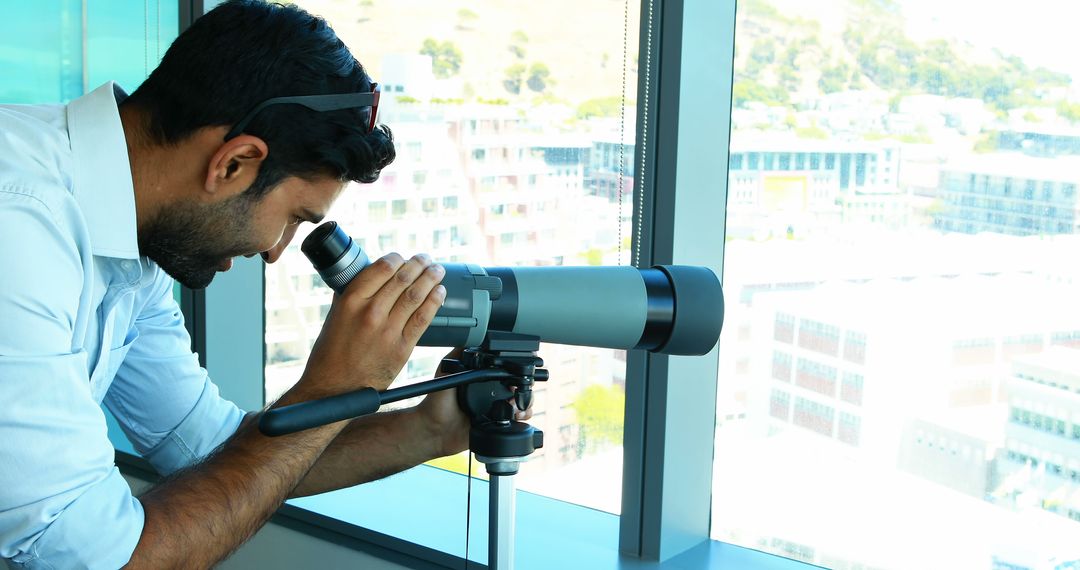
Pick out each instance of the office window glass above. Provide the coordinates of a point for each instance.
(904, 390)
(515, 129)
(53, 52)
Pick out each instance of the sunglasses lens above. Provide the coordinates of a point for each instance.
(374, 111)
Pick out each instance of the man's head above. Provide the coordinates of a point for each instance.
(246, 194)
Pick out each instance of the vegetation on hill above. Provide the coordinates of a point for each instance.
(788, 56)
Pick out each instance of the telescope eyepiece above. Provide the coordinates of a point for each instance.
(325, 245)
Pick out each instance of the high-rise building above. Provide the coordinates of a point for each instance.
(1041, 460)
(477, 183)
(804, 186)
(1041, 140)
(1010, 193)
(844, 365)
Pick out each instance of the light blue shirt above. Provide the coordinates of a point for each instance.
(85, 321)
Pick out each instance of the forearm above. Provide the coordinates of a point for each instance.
(370, 448)
(199, 516)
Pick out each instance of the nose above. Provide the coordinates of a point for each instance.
(273, 254)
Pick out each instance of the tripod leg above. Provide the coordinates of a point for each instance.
(501, 511)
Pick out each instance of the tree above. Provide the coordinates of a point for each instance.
(762, 53)
(445, 57)
(600, 107)
(1069, 111)
(811, 132)
(466, 19)
(518, 39)
(599, 413)
(746, 91)
(789, 79)
(364, 9)
(988, 141)
(539, 77)
(834, 77)
(513, 77)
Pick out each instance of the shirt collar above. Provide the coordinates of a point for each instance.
(102, 176)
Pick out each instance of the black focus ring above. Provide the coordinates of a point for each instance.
(660, 309)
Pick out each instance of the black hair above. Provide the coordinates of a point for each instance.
(244, 52)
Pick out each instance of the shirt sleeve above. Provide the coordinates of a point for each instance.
(163, 400)
(63, 504)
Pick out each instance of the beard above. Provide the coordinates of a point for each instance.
(190, 241)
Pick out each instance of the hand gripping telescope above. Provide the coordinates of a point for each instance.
(501, 314)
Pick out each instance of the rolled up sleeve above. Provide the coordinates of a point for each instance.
(62, 502)
(163, 400)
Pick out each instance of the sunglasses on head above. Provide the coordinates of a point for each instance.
(321, 103)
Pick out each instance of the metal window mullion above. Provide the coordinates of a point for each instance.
(683, 132)
(189, 11)
(193, 301)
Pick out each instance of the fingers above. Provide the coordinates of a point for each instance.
(419, 281)
(391, 279)
(369, 281)
(418, 320)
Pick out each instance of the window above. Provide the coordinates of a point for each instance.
(376, 211)
(54, 52)
(399, 208)
(870, 317)
(851, 388)
(492, 123)
(781, 369)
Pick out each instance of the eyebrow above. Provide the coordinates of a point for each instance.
(313, 217)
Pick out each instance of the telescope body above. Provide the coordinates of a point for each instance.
(670, 309)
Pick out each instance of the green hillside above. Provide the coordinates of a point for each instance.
(780, 58)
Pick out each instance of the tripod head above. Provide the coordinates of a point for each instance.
(499, 441)
(504, 366)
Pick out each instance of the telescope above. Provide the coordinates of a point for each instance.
(668, 309)
(500, 315)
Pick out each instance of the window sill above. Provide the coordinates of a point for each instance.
(416, 519)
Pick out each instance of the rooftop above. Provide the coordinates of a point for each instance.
(1018, 165)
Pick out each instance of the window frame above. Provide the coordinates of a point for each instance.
(664, 522)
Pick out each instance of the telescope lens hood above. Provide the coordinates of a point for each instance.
(694, 332)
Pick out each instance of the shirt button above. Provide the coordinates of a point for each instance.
(127, 265)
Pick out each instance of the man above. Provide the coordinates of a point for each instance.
(104, 199)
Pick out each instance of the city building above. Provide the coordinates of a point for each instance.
(1040, 465)
(955, 449)
(1010, 193)
(803, 186)
(611, 162)
(407, 75)
(1041, 140)
(757, 270)
(854, 111)
(842, 363)
(528, 184)
(471, 183)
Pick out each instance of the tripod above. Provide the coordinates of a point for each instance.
(505, 366)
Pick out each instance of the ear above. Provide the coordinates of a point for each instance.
(233, 168)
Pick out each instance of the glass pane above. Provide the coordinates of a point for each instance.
(900, 381)
(514, 147)
(53, 52)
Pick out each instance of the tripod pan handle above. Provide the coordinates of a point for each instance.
(315, 413)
